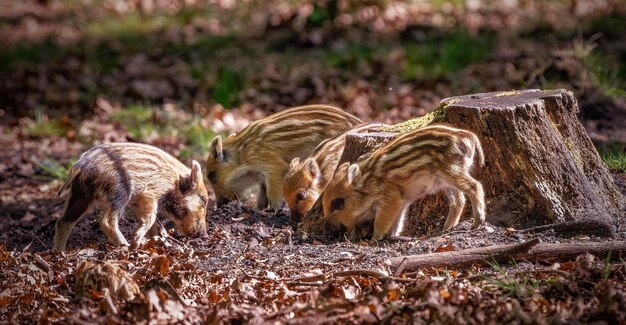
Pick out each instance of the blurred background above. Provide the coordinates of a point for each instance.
(176, 72)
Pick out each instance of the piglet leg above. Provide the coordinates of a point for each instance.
(456, 199)
(109, 225)
(275, 192)
(386, 216)
(146, 213)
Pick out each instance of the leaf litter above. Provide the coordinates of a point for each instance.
(255, 268)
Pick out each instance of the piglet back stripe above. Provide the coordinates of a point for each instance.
(292, 118)
(116, 158)
(419, 150)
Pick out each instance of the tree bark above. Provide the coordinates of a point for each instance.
(541, 167)
(531, 251)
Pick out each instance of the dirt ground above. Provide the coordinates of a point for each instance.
(248, 268)
(175, 73)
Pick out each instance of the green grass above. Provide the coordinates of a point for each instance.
(198, 139)
(319, 16)
(146, 123)
(604, 71)
(591, 69)
(106, 39)
(43, 126)
(606, 75)
(53, 169)
(355, 55)
(615, 158)
(115, 26)
(227, 87)
(606, 270)
(442, 57)
(435, 57)
(29, 53)
(518, 285)
(611, 25)
(138, 120)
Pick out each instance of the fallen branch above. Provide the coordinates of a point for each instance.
(324, 277)
(33, 236)
(166, 286)
(532, 251)
(576, 227)
(400, 267)
(463, 257)
(566, 251)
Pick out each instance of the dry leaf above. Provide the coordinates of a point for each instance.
(162, 265)
(447, 247)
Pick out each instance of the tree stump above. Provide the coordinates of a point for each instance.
(541, 166)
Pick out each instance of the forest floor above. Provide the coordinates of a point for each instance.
(254, 267)
(79, 73)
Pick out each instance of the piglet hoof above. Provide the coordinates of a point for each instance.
(380, 242)
(478, 224)
(397, 239)
(138, 242)
(375, 241)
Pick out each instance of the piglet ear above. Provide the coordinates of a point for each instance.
(353, 173)
(311, 167)
(217, 151)
(196, 174)
(294, 162)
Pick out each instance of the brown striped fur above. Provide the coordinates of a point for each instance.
(413, 165)
(306, 179)
(144, 178)
(259, 155)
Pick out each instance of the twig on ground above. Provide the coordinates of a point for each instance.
(453, 232)
(530, 251)
(361, 272)
(464, 257)
(44, 266)
(168, 287)
(32, 235)
(305, 284)
(559, 272)
(400, 267)
(585, 226)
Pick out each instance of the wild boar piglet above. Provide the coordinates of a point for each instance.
(306, 179)
(416, 164)
(143, 178)
(258, 156)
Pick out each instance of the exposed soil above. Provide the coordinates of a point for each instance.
(243, 270)
(70, 69)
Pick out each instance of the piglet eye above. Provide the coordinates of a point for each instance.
(300, 196)
(204, 200)
(336, 204)
(212, 177)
